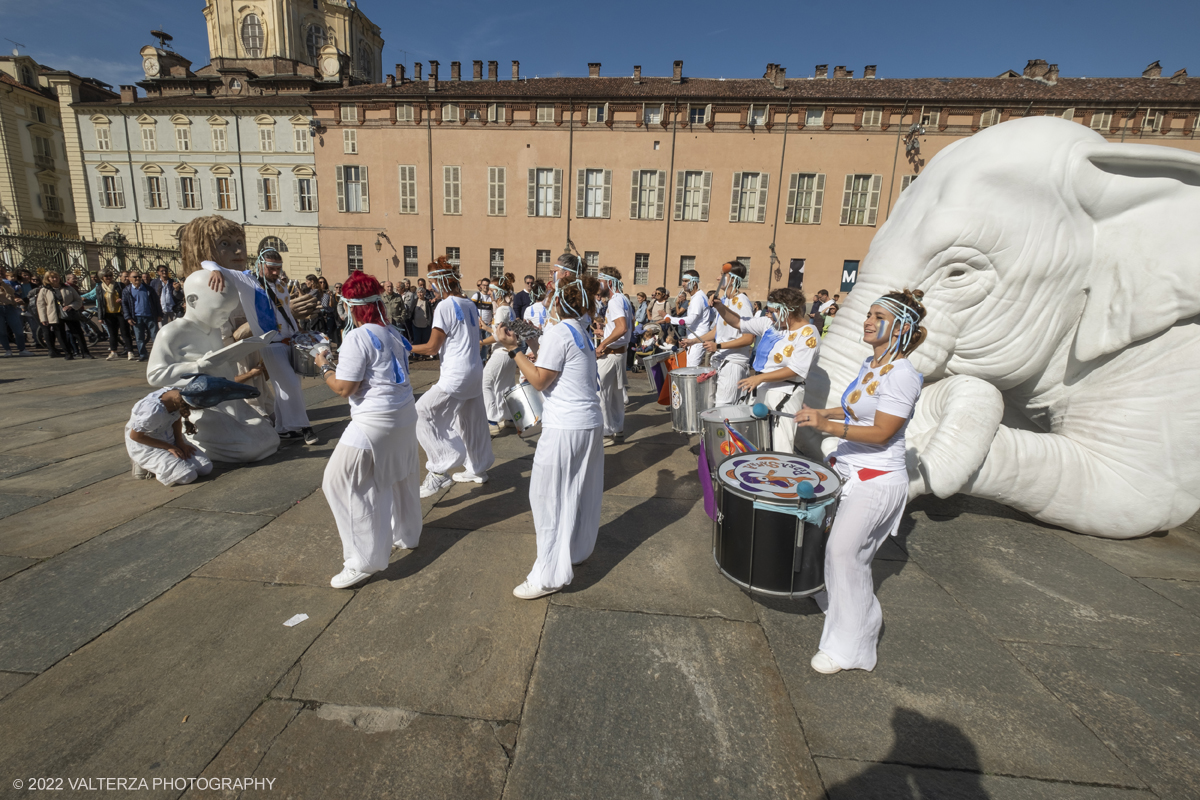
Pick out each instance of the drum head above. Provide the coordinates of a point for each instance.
(731, 413)
(689, 372)
(773, 477)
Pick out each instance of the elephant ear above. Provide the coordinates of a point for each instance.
(1144, 201)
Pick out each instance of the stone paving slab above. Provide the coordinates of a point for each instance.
(75, 444)
(1170, 554)
(56, 526)
(244, 752)
(445, 637)
(1145, 707)
(1027, 584)
(11, 566)
(64, 477)
(164, 691)
(340, 751)
(50, 610)
(856, 780)
(11, 466)
(11, 681)
(652, 470)
(16, 503)
(274, 485)
(638, 705)
(944, 691)
(1185, 594)
(53, 427)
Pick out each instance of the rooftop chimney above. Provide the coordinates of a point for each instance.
(822, 70)
(637, 73)
(770, 73)
(594, 69)
(417, 71)
(1152, 71)
(849, 73)
(391, 81)
(1179, 77)
(128, 94)
(677, 72)
(1036, 68)
(433, 76)
(839, 72)
(1052, 74)
(780, 76)
(399, 73)
(492, 68)
(516, 70)
(455, 71)
(476, 70)
(869, 71)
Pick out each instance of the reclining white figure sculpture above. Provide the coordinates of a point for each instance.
(1061, 279)
(230, 431)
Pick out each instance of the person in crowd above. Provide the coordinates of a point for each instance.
(730, 347)
(871, 421)
(393, 304)
(107, 296)
(611, 353)
(372, 481)
(326, 317)
(499, 372)
(139, 305)
(59, 307)
(523, 299)
(758, 308)
(826, 303)
(641, 308)
(408, 296)
(10, 316)
(697, 319)
(829, 315)
(537, 311)
(422, 315)
(451, 415)
(483, 300)
(816, 314)
(25, 287)
(567, 485)
(658, 307)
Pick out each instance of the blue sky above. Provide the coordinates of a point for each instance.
(905, 39)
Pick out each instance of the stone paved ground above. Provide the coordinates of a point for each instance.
(141, 636)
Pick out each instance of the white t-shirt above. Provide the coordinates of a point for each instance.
(150, 416)
(892, 389)
(366, 355)
(572, 401)
(699, 316)
(618, 306)
(821, 309)
(536, 315)
(795, 350)
(740, 305)
(462, 370)
(484, 303)
(502, 314)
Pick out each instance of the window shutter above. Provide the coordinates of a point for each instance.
(580, 192)
(233, 194)
(447, 191)
(491, 191)
(145, 192)
(100, 195)
(679, 179)
(262, 193)
(179, 193)
(873, 209)
(661, 200)
(341, 188)
(846, 199)
(212, 184)
(457, 190)
(295, 194)
(199, 199)
(735, 197)
(790, 215)
(764, 181)
(633, 194)
(557, 210)
(606, 208)
(120, 192)
(532, 192)
(312, 200)
(705, 192)
(501, 190)
(366, 194)
(708, 114)
(818, 198)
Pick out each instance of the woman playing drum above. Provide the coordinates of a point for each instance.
(871, 421)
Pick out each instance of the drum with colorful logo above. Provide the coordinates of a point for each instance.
(690, 397)
(525, 404)
(773, 520)
(719, 443)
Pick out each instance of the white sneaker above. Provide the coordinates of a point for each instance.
(615, 439)
(140, 473)
(527, 591)
(130, 357)
(434, 482)
(348, 577)
(111, 357)
(493, 429)
(469, 477)
(825, 665)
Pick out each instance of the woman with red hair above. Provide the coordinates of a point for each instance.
(371, 482)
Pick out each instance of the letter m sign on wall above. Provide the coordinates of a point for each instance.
(849, 275)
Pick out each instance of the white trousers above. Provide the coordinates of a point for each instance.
(371, 514)
(729, 372)
(612, 396)
(565, 492)
(868, 513)
(290, 414)
(454, 431)
(167, 469)
(499, 375)
(783, 427)
(695, 354)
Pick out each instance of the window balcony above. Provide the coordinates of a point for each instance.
(44, 161)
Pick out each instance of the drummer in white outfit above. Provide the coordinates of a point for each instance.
(610, 354)
(372, 481)
(699, 319)
(451, 415)
(787, 348)
(567, 484)
(730, 347)
(871, 422)
(499, 373)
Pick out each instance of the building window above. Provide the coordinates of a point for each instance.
(814, 115)
(454, 256)
(189, 194)
(302, 138)
(268, 194)
(39, 112)
(266, 139)
(542, 268)
(749, 200)
(495, 112)
(496, 191)
(410, 262)
(591, 260)
(449, 112)
(314, 40)
(404, 112)
(452, 190)
(349, 112)
(43, 152)
(219, 142)
(472, 115)
(860, 199)
(183, 139)
(686, 263)
(50, 205)
(1154, 121)
(408, 189)
(872, 117)
(112, 193)
(545, 112)
(930, 118)
(226, 198)
(545, 192)
(496, 263)
(103, 137)
(698, 115)
(354, 257)
(593, 193)
(273, 243)
(155, 196)
(653, 114)
(350, 141)
(149, 140)
(641, 269)
(252, 36)
(693, 190)
(306, 194)
(806, 195)
(907, 181)
(648, 194)
(989, 118)
(1069, 114)
(1102, 120)
(27, 76)
(353, 196)
(757, 115)
(597, 113)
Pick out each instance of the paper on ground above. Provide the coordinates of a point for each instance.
(296, 620)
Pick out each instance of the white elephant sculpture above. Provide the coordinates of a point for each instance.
(1062, 281)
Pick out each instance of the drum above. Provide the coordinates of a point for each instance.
(689, 398)
(719, 444)
(525, 404)
(305, 347)
(650, 361)
(768, 537)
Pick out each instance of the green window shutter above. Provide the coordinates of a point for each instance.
(818, 198)
(705, 192)
(846, 199)
(679, 179)
(790, 215)
(634, 185)
(557, 210)
(341, 188)
(366, 192)
(735, 197)
(606, 209)
(661, 201)
(580, 193)
(764, 181)
(873, 208)
(532, 192)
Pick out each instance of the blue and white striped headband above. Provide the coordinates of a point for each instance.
(374, 299)
(440, 279)
(612, 281)
(691, 281)
(903, 315)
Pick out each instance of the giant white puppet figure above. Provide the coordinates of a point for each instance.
(229, 431)
(1060, 273)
